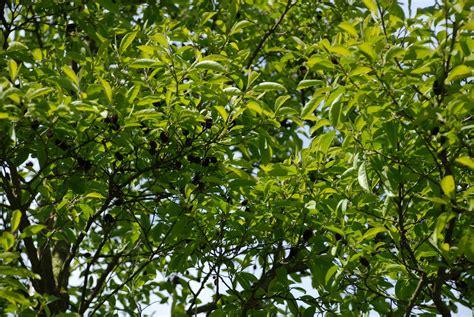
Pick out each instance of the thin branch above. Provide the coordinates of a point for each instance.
(289, 5)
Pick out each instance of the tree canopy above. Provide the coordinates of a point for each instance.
(165, 150)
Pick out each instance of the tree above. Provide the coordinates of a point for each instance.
(160, 150)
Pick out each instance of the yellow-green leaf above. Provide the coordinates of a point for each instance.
(126, 41)
(267, 86)
(368, 51)
(466, 161)
(71, 74)
(107, 89)
(222, 112)
(371, 5)
(308, 83)
(362, 177)
(16, 218)
(211, 65)
(12, 69)
(346, 26)
(95, 195)
(3, 115)
(459, 72)
(372, 232)
(31, 230)
(448, 185)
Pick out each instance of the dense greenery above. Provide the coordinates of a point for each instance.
(168, 150)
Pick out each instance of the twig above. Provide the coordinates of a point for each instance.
(289, 5)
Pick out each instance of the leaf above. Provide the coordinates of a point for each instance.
(87, 210)
(362, 177)
(371, 5)
(346, 26)
(466, 161)
(12, 69)
(144, 63)
(239, 26)
(232, 91)
(126, 41)
(368, 51)
(95, 195)
(222, 112)
(308, 83)
(448, 186)
(31, 231)
(107, 89)
(15, 222)
(71, 74)
(326, 140)
(371, 233)
(210, 65)
(13, 297)
(160, 39)
(269, 86)
(459, 72)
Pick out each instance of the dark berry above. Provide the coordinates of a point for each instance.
(334, 60)
(49, 134)
(29, 164)
(205, 162)
(364, 261)
(207, 124)
(118, 156)
(164, 137)
(194, 159)
(152, 144)
(114, 118)
(435, 131)
(337, 236)
(109, 219)
(244, 202)
(213, 160)
(303, 70)
(307, 234)
(35, 124)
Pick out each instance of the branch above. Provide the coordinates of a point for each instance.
(416, 293)
(291, 264)
(289, 5)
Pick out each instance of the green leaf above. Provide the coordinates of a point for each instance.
(448, 186)
(12, 69)
(362, 177)
(107, 89)
(326, 140)
(371, 5)
(371, 233)
(222, 112)
(144, 63)
(95, 195)
(466, 161)
(15, 222)
(459, 72)
(269, 86)
(308, 83)
(346, 26)
(126, 41)
(31, 231)
(368, 51)
(13, 297)
(239, 26)
(71, 74)
(210, 65)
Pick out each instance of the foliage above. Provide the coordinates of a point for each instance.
(236, 147)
